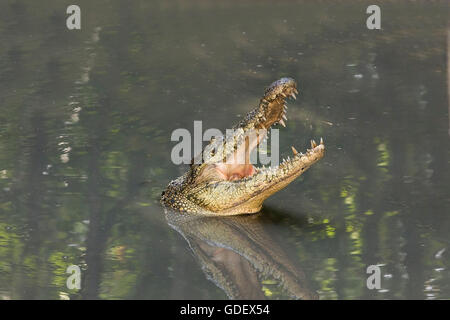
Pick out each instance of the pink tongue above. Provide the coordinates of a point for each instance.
(235, 171)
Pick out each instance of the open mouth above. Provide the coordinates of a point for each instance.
(272, 110)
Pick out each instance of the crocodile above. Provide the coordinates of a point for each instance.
(239, 256)
(222, 181)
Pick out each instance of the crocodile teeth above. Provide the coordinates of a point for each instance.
(284, 95)
(294, 151)
(294, 96)
(296, 91)
(284, 117)
(285, 107)
(321, 141)
(282, 123)
(313, 144)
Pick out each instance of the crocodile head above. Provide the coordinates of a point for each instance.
(221, 179)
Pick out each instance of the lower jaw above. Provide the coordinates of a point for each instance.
(240, 209)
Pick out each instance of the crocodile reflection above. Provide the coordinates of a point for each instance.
(237, 254)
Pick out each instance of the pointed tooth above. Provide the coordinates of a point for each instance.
(294, 151)
(294, 96)
(285, 106)
(284, 117)
(321, 141)
(295, 90)
(282, 123)
(283, 94)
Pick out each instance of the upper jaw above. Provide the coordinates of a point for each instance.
(272, 108)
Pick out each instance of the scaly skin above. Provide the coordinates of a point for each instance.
(216, 185)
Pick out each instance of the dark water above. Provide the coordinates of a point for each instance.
(85, 124)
